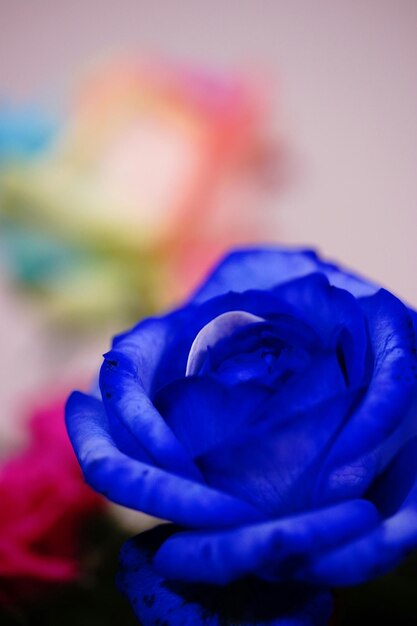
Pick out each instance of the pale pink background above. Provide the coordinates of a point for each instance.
(343, 72)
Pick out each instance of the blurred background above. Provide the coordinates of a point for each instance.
(139, 140)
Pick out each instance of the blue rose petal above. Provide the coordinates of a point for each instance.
(275, 466)
(140, 485)
(275, 550)
(263, 268)
(328, 309)
(156, 600)
(215, 331)
(386, 415)
(125, 398)
(378, 551)
(183, 327)
(204, 414)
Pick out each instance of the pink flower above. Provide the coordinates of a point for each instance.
(44, 502)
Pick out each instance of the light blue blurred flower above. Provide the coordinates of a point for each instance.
(25, 130)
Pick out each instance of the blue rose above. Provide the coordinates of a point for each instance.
(272, 420)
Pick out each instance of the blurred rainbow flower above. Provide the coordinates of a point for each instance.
(157, 170)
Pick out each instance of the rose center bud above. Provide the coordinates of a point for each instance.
(237, 346)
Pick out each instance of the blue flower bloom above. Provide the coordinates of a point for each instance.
(272, 419)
